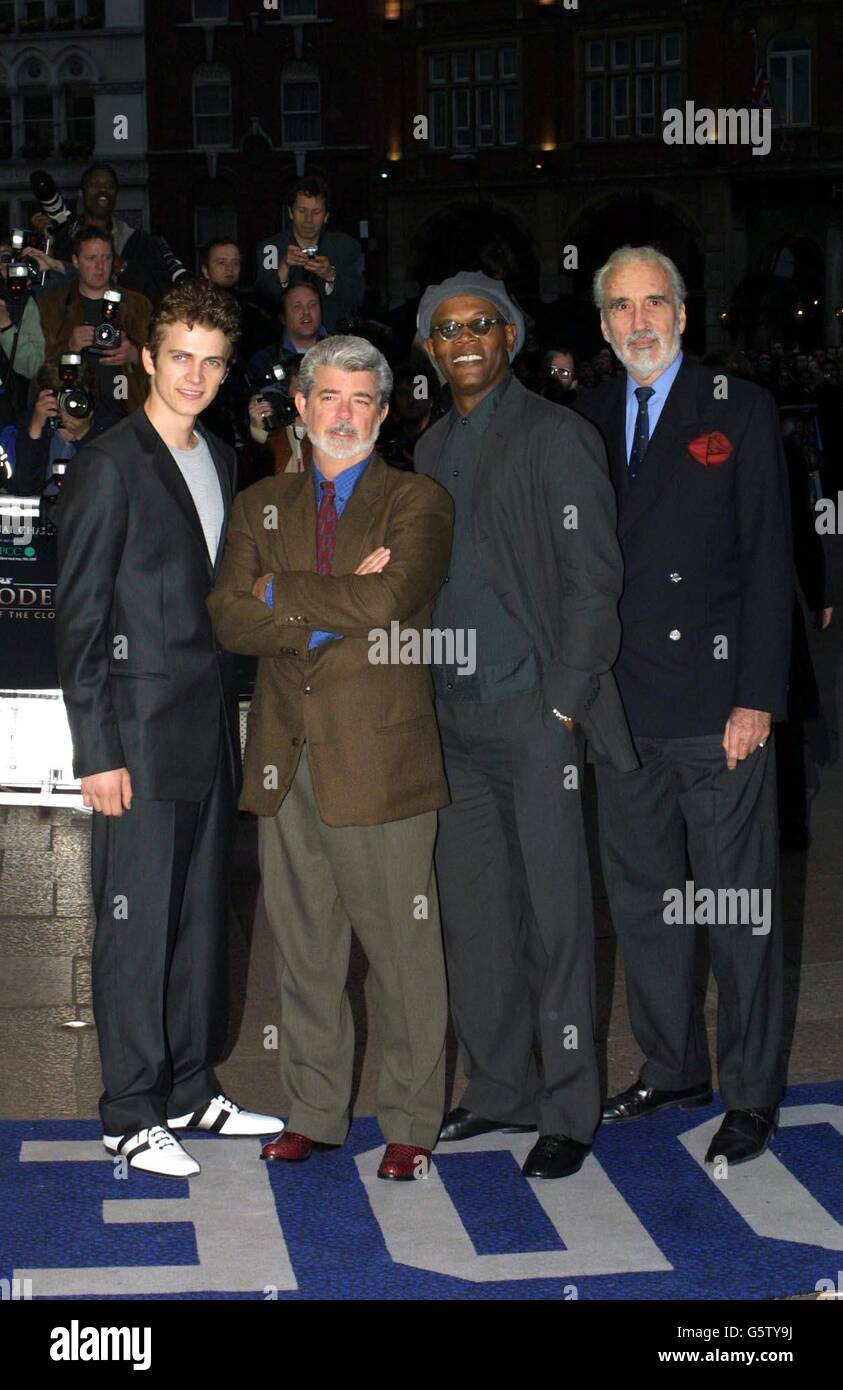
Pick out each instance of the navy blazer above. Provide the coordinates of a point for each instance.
(708, 591)
(133, 564)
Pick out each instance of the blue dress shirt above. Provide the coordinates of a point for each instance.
(344, 485)
(655, 405)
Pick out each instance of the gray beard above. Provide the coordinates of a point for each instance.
(668, 356)
(327, 444)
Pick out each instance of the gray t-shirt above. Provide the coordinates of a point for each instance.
(200, 474)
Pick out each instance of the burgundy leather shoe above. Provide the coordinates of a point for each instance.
(404, 1162)
(289, 1147)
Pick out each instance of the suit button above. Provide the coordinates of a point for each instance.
(456, 472)
(675, 578)
(450, 685)
(675, 635)
(308, 690)
(447, 579)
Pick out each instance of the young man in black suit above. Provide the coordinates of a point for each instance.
(697, 464)
(152, 708)
(534, 580)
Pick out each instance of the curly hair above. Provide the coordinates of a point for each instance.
(192, 302)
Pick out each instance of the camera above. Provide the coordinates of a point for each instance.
(107, 334)
(44, 188)
(309, 251)
(273, 387)
(18, 280)
(72, 398)
(27, 270)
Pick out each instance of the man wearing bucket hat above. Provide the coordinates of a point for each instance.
(532, 588)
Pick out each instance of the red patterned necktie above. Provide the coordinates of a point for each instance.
(326, 530)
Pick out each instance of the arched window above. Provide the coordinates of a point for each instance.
(77, 81)
(36, 110)
(212, 128)
(789, 70)
(301, 118)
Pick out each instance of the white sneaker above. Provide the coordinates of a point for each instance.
(221, 1116)
(153, 1150)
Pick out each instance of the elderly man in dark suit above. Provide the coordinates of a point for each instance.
(343, 764)
(152, 708)
(697, 463)
(534, 581)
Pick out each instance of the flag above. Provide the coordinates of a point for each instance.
(761, 84)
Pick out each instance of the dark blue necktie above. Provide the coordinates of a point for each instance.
(641, 434)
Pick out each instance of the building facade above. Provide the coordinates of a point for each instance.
(72, 88)
(521, 135)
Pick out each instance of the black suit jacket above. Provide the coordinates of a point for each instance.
(560, 581)
(707, 555)
(133, 564)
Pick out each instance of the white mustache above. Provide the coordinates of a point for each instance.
(342, 428)
(639, 333)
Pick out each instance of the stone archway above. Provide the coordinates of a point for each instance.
(635, 219)
(783, 299)
(476, 235)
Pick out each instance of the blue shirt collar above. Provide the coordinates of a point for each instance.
(345, 483)
(289, 346)
(661, 386)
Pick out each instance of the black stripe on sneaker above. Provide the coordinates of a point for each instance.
(141, 1149)
(127, 1139)
(219, 1122)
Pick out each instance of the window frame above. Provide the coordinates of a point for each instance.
(198, 80)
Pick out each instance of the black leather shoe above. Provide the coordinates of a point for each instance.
(744, 1134)
(555, 1156)
(462, 1124)
(641, 1099)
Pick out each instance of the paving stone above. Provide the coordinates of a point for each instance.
(37, 981)
(82, 980)
(65, 936)
(22, 893)
(18, 832)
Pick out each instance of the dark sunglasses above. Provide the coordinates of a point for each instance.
(451, 328)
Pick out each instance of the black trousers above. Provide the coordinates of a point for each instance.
(515, 898)
(684, 800)
(160, 989)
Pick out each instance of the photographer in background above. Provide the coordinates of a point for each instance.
(220, 263)
(330, 262)
(52, 434)
(72, 316)
(300, 319)
(279, 441)
(146, 265)
(21, 338)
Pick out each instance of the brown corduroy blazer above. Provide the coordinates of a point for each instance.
(373, 745)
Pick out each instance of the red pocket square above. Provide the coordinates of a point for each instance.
(711, 449)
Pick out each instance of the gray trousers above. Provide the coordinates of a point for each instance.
(684, 798)
(515, 889)
(321, 883)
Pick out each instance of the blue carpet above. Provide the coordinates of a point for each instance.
(643, 1221)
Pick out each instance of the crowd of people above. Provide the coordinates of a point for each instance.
(306, 282)
(616, 576)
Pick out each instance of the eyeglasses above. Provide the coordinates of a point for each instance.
(451, 328)
(563, 373)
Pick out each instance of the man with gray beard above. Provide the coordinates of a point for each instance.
(343, 764)
(706, 613)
